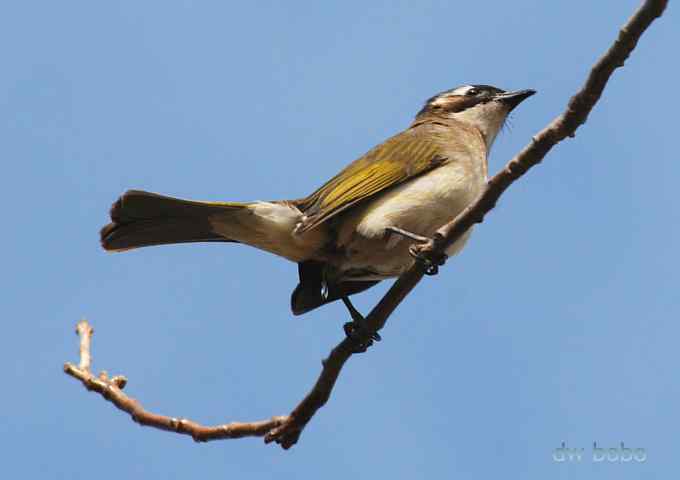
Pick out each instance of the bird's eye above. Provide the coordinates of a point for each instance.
(472, 91)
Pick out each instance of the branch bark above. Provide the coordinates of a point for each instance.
(286, 430)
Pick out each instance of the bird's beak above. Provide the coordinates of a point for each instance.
(512, 99)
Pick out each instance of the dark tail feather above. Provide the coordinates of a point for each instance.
(308, 294)
(140, 219)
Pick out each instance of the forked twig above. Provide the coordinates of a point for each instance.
(111, 388)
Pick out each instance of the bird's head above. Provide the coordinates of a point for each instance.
(481, 106)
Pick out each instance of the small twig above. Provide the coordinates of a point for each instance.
(84, 331)
(112, 390)
(286, 430)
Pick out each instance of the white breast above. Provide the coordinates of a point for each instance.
(424, 204)
(420, 206)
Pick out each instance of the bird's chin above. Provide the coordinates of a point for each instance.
(507, 124)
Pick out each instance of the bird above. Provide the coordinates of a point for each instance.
(356, 229)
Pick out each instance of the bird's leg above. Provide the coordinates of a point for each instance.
(430, 262)
(356, 329)
(407, 234)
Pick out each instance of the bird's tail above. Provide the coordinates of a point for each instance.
(141, 219)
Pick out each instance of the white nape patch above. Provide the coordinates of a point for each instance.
(461, 90)
(443, 98)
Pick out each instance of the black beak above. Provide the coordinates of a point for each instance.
(512, 99)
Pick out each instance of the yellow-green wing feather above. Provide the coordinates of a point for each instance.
(403, 156)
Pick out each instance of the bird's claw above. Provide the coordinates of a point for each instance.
(357, 331)
(360, 336)
(430, 261)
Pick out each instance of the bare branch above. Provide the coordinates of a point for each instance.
(561, 127)
(286, 430)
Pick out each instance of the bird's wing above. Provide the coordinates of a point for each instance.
(404, 156)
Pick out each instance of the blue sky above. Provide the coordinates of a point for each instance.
(558, 323)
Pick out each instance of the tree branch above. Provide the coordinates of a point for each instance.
(286, 430)
(111, 388)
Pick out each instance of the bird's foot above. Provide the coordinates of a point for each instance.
(360, 336)
(357, 331)
(430, 261)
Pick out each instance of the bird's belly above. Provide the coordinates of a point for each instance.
(420, 206)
